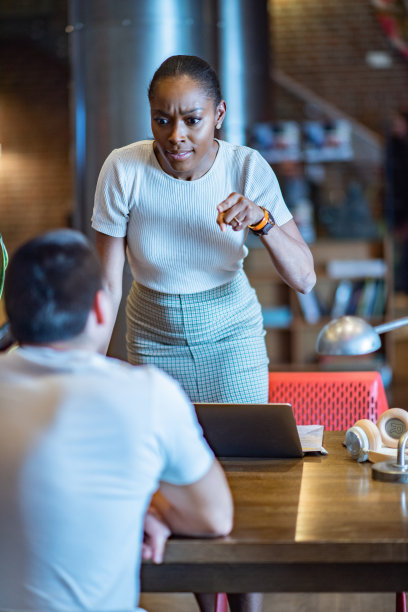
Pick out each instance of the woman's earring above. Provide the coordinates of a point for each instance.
(218, 126)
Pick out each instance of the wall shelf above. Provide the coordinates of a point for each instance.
(292, 346)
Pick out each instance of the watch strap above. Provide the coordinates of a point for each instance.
(266, 224)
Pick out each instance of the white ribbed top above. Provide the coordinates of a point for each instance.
(174, 242)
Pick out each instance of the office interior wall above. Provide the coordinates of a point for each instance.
(35, 165)
(328, 48)
(323, 45)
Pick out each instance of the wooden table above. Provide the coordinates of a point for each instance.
(318, 524)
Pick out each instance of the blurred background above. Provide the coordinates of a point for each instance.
(320, 88)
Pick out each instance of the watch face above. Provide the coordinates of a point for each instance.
(266, 228)
(269, 225)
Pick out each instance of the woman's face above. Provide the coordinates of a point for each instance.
(183, 122)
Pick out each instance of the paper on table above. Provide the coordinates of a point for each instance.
(311, 438)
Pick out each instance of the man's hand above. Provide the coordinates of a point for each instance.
(156, 534)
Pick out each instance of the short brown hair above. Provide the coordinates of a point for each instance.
(50, 286)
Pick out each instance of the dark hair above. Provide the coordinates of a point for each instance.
(50, 286)
(194, 67)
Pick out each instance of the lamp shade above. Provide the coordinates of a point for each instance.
(347, 336)
(353, 336)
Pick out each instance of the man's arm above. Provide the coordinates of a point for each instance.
(203, 508)
(155, 536)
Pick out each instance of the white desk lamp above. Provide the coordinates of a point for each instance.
(353, 336)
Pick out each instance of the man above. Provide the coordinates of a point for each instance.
(85, 441)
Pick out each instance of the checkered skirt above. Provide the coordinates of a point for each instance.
(212, 341)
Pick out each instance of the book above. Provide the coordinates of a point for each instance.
(379, 299)
(355, 298)
(310, 306)
(356, 268)
(366, 302)
(341, 298)
(277, 316)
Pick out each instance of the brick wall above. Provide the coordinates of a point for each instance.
(35, 170)
(35, 167)
(323, 44)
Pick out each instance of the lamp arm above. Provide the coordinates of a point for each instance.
(389, 325)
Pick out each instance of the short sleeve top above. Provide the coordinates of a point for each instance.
(174, 243)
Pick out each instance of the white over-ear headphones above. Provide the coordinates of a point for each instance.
(365, 439)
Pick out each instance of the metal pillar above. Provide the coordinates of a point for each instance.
(116, 45)
(243, 65)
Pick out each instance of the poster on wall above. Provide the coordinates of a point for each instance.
(327, 141)
(276, 141)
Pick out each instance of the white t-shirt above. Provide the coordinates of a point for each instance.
(174, 243)
(84, 442)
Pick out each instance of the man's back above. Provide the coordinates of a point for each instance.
(84, 441)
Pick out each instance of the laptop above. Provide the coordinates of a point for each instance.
(250, 430)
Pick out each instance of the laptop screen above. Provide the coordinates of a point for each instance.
(250, 430)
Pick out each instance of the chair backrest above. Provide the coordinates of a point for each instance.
(333, 399)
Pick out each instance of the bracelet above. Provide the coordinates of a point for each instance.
(263, 227)
(262, 222)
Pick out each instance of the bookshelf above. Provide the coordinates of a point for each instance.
(353, 277)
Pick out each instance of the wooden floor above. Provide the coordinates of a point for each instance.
(326, 602)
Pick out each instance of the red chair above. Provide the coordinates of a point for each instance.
(333, 399)
(221, 602)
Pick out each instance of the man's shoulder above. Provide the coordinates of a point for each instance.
(116, 367)
(6, 361)
(38, 362)
(110, 381)
(130, 378)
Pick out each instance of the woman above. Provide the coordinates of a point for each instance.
(182, 204)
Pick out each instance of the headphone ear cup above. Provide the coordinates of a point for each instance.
(361, 438)
(372, 433)
(392, 424)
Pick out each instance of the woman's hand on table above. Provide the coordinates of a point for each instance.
(238, 212)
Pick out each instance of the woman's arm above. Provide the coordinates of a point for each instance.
(112, 253)
(289, 252)
(291, 256)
